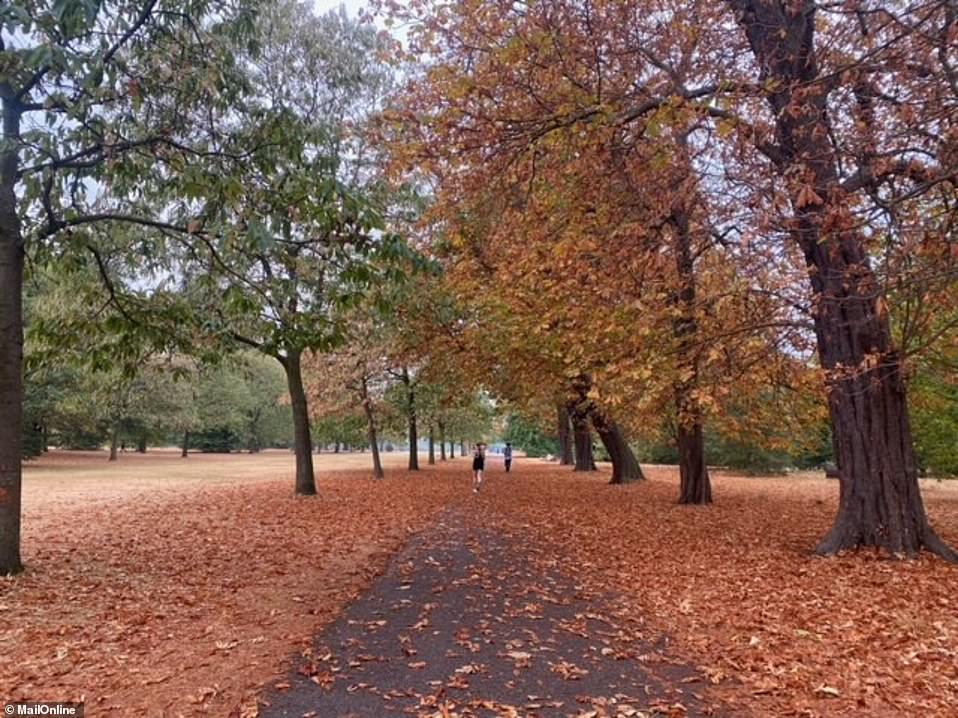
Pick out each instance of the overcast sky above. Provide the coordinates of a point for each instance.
(352, 6)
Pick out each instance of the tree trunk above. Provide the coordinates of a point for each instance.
(11, 345)
(371, 430)
(141, 444)
(462, 447)
(625, 467)
(880, 504)
(336, 448)
(442, 441)
(695, 485)
(452, 449)
(114, 443)
(584, 461)
(302, 440)
(432, 447)
(566, 455)
(185, 451)
(411, 416)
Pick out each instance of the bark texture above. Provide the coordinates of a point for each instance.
(625, 467)
(411, 418)
(566, 454)
(584, 460)
(11, 343)
(695, 485)
(879, 501)
(371, 430)
(302, 440)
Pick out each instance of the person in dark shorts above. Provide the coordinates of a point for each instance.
(478, 466)
(507, 456)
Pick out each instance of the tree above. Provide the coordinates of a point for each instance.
(90, 91)
(287, 247)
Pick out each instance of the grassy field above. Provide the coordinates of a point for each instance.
(72, 478)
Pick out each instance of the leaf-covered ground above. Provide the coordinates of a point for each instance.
(182, 595)
(192, 598)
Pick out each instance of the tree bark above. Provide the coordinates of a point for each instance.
(880, 503)
(695, 485)
(411, 416)
(566, 455)
(141, 444)
(442, 441)
(11, 342)
(452, 449)
(432, 447)
(371, 429)
(462, 447)
(185, 451)
(114, 442)
(625, 467)
(302, 440)
(584, 461)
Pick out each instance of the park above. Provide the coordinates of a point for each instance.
(481, 359)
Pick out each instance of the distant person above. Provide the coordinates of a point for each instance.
(507, 456)
(478, 466)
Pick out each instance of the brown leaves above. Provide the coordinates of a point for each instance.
(172, 592)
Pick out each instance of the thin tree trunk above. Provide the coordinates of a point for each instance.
(566, 455)
(584, 460)
(452, 449)
(411, 417)
(185, 451)
(114, 442)
(371, 429)
(432, 447)
(336, 448)
(880, 504)
(442, 441)
(462, 447)
(302, 440)
(141, 444)
(11, 345)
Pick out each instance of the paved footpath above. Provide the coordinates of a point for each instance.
(464, 625)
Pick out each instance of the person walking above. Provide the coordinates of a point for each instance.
(478, 466)
(507, 456)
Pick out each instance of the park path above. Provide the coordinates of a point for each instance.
(465, 624)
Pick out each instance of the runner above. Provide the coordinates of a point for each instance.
(478, 466)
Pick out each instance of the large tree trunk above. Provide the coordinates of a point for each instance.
(880, 504)
(432, 447)
(695, 485)
(584, 461)
(411, 417)
(371, 429)
(442, 441)
(566, 455)
(185, 450)
(11, 347)
(625, 467)
(302, 440)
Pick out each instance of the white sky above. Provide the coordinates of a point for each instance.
(352, 6)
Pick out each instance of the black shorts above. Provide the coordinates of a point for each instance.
(478, 464)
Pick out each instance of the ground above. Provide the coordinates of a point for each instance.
(162, 586)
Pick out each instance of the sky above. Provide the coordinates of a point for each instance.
(352, 6)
